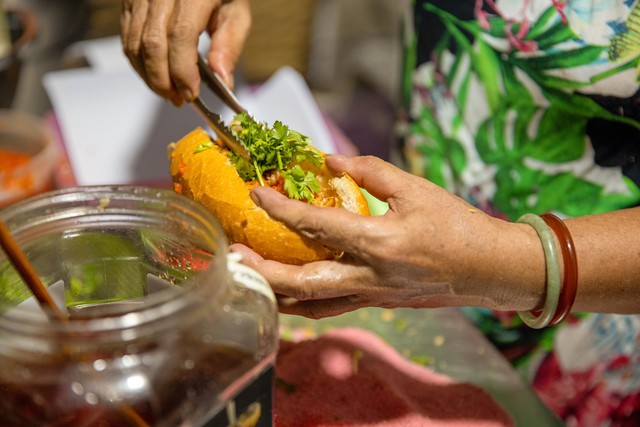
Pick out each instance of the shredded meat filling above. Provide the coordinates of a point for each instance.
(326, 197)
(272, 177)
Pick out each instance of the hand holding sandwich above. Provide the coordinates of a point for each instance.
(432, 249)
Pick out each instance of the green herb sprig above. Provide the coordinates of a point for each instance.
(276, 148)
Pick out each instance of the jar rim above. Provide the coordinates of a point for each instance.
(156, 306)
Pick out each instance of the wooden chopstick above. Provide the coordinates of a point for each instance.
(24, 268)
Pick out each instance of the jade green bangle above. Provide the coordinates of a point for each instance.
(553, 274)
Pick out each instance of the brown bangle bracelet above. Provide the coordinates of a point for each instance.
(570, 266)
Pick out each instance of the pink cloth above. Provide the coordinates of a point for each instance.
(350, 377)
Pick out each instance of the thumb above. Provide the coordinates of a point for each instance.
(333, 227)
(380, 178)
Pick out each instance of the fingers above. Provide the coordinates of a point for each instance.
(189, 20)
(144, 41)
(334, 227)
(155, 50)
(228, 36)
(316, 280)
(315, 290)
(160, 38)
(382, 179)
(132, 19)
(319, 309)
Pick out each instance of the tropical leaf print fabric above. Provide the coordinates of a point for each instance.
(501, 109)
(531, 106)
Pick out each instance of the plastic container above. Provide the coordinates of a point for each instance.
(28, 156)
(164, 328)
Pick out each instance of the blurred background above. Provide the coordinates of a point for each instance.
(347, 52)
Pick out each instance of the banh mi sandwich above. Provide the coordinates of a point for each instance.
(283, 159)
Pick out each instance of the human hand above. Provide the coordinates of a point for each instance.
(160, 38)
(430, 249)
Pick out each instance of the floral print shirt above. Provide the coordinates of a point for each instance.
(533, 106)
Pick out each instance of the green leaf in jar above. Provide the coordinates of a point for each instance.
(102, 267)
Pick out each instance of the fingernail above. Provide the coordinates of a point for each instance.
(332, 158)
(226, 77)
(186, 94)
(230, 81)
(255, 196)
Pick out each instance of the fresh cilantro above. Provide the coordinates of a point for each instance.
(276, 148)
(300, 184)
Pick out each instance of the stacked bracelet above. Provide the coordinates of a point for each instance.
(561, 293)
(553, 274)
(570, 265)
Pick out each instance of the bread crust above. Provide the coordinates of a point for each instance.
(209, 178)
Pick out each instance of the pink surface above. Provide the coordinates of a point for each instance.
(350, 377)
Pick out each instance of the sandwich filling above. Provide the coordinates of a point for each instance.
(282, 159)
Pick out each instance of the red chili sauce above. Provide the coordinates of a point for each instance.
(23, 183)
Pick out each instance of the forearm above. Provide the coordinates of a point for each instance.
(502, 268)
(608, 251)
(511, 272)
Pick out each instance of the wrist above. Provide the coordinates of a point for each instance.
(506, 271)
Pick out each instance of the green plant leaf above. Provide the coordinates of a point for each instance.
(559, 137)
(485, 63)
(559, 33)
(562, 59)
(542, 24)
(611, 202)
(566, 193)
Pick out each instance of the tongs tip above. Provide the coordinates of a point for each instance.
(222, 131)
(217, 85)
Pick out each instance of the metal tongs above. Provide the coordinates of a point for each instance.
(218, 86)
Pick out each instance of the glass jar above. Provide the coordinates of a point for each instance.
(163, 327)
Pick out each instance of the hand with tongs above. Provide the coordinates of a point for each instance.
(217, 85)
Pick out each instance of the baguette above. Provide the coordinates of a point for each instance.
(209, 177)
